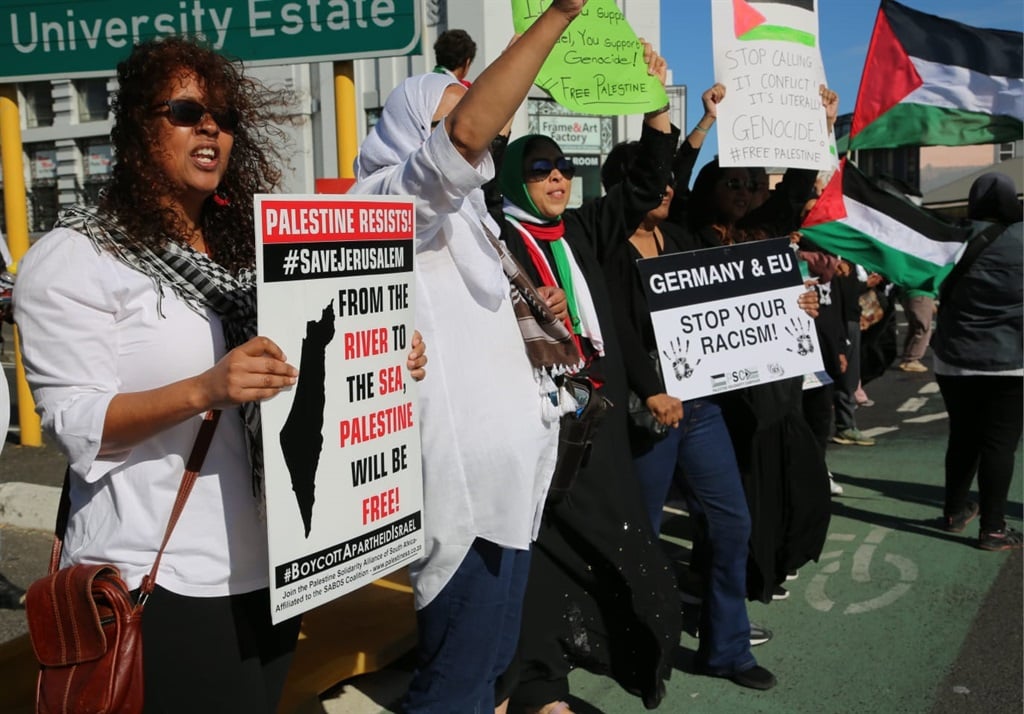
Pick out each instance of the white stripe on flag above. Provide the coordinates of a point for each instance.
(953, 87)
(898, 236)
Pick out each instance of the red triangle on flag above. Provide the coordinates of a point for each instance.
(829, 206)
(889, 76)
(744, 17)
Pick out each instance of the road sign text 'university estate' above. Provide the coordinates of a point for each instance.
(53, 40)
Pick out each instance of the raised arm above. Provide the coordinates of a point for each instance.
(502, 87)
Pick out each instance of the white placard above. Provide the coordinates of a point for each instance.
(727, 318)
(767, 54)
(341, 448)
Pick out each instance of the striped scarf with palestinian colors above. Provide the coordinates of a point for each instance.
(930, 81)
(884, 232)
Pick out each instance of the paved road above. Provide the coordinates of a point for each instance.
(897, 616)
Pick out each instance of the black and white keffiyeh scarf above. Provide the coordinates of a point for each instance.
(199, 282)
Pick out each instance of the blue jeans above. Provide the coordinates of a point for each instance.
(702, 450)
(469, 632)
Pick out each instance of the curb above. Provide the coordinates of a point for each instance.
(28, 505)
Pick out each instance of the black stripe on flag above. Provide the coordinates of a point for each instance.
(859, 188)
(802, 4)
(936, 39)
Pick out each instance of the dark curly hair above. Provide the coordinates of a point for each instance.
(138, 184)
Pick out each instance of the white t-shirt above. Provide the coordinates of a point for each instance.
(488, 446)
(90, 330)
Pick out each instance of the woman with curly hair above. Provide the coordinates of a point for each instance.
(137, 317)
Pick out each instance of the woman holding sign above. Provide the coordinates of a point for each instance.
(137, 317)
(784, 473)
(490, 412)
(599, 584)
(698, 448)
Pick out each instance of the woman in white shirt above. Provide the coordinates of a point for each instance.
(489, 428)
(139, 316)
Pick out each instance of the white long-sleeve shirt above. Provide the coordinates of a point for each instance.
(90, 330)
(488, 446)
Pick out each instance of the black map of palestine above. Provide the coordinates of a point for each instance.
(301, 436)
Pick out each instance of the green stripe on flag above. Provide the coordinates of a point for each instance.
(904, 269)
(923, 125)
(779, 34)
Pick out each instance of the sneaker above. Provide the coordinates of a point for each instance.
(912, 365)
(957, 523)
(11, 596)
(836, 489)
(866, 403)
(758, 634)
(1005, 538)
(780, 593)
(853, 436)
(792, 575)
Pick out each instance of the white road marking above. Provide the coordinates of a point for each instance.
(927, 418)
(879, 430)
(930, 388)
(913, 404)
(908, 574)
(815, 592)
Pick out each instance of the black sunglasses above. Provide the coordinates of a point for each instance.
(185, 112)
(735, 184)
(541, 168)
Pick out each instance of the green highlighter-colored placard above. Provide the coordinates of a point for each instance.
(598, 66)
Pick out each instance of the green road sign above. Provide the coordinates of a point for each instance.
(68, 38)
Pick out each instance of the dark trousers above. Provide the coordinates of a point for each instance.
(214, 654)
(985, 422)
(817, 403)
(702, 450)
(468, 633)
(846, 385)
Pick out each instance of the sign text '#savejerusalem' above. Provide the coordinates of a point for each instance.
(61, 39)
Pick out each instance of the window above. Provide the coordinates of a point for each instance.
(97, 158)
(93, 102)
(44, 164)
(38, 103)
(1006, 151)
(44, 208)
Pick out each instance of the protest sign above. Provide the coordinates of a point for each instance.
(598, 65)
(768, 57)
(726, 318)
(341, 448)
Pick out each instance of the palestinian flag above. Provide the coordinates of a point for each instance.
(929, 81)
(779, 20)
(883, 231)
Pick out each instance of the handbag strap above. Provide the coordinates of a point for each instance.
(971, 253)
(188, 480)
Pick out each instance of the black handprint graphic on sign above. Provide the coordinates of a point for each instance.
(680, 364)
(800, 330)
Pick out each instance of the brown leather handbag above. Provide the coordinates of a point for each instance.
(85, 629)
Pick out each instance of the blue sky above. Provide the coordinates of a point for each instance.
(845, 30)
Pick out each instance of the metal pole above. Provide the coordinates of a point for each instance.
(345, 117)
(16, 212)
